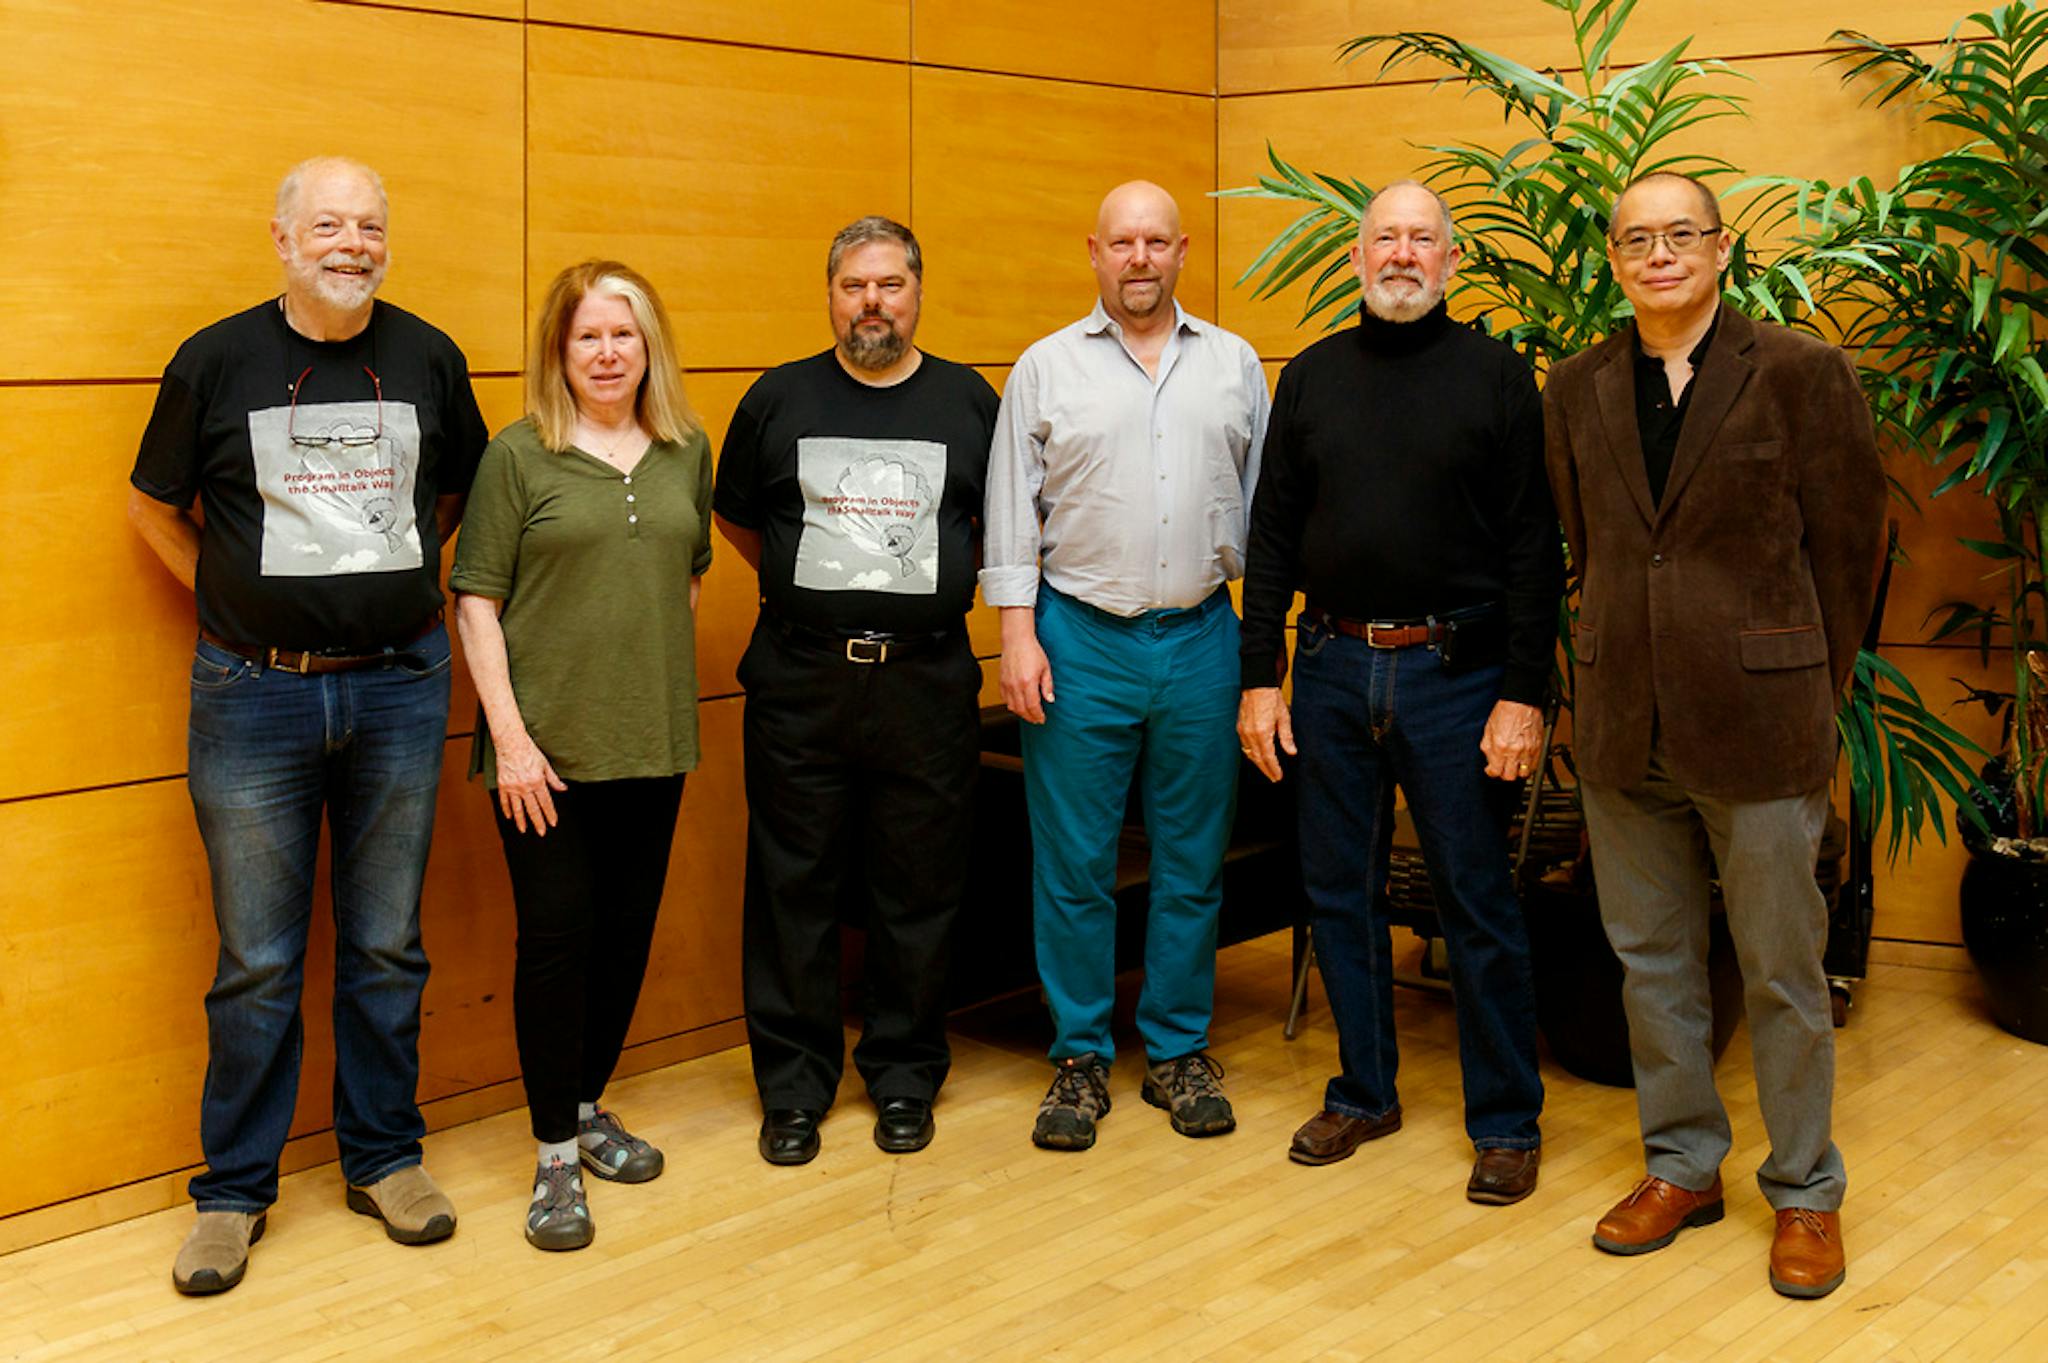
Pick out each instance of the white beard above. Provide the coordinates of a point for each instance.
(345, 292)
(1390, 305)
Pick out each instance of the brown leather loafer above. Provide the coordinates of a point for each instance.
(1330, 1136)
(1652, 1216)
(1501, 1176)
(1806, 1253)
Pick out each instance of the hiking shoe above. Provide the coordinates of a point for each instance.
(1078, 1098)
(216, 1253)
(1188, 1088)
(558, 1218)
(413, 1210)
(618, 1154)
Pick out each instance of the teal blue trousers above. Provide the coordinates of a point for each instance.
(1153, 696)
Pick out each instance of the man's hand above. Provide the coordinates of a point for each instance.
(1025, 674)
(1261, 718)
(1513, 739)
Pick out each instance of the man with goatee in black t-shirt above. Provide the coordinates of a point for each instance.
(1403, 492)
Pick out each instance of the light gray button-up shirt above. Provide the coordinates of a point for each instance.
(1128, 492)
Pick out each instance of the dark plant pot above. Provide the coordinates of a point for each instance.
(2004, 904)
(1578, 984)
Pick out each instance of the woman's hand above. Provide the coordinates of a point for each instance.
(525, 783)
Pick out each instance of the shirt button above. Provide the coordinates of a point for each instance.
(629, 496)
(1162, 563)
(629, 480)
(1656, 560)
(1162, 520)
(632, 520)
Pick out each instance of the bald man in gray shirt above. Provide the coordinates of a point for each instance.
(1119, 488)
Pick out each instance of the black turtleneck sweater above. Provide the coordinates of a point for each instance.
(1402, 478)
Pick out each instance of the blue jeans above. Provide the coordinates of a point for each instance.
(1365, 719)
(270, 752)
(1156, 694)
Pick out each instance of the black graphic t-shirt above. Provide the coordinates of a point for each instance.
(867, 500)
(316, 464)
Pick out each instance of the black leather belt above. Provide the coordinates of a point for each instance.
(314, 662)
(868, 646)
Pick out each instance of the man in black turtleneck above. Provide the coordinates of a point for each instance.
(1403, 492)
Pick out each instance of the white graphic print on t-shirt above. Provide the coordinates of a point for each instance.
(339, 499)
(870, 514)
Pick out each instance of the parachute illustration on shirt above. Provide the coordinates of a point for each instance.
(360, 481)
(870, 514)
(338, 498)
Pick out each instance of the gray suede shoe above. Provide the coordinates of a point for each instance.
(413, 1210)
(216, 1253)
(558, 1218)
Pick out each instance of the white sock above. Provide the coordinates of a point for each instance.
(589, 1140)
(565, 1151)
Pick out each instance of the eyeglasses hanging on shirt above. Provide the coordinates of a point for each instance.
(350, 440)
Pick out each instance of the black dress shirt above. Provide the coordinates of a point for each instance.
(1658, 418)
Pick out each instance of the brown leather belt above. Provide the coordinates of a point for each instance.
(1380, 634)
(312, 662)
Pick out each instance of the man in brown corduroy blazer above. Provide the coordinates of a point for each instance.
(1719, 485)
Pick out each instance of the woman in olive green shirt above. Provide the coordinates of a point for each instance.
(582, 552)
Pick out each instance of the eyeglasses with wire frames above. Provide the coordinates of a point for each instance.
(347, 442)
(1682, 238)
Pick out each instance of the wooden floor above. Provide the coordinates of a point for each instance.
(1150, 1246)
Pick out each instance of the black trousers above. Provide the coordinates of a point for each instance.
(586, 896)
(861, 773)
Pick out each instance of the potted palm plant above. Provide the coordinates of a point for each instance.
(1947, 306)
(1532, 221)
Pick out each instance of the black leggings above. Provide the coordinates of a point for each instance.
(586, 896)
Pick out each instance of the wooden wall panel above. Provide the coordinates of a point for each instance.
(481, 9)
(1380, 134)
(94, 659)
(873, 28)
(132, 222)
(1173, 49)
(719, 172)
(1264, 47)
(1006, 257)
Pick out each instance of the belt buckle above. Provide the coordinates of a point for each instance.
(867, 650)
(305, 661)
(1372, 634)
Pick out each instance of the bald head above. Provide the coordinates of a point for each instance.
(291, 191)
(1405, 198)
(1137, 250)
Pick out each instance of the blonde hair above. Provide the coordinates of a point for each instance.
(663, 410)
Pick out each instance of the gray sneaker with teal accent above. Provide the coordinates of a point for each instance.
(618, 1155)
(558, 1217)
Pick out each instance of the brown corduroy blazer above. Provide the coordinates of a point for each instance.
(1729, 614)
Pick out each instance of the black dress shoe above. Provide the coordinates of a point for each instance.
(789, 1135)
(903, 1124)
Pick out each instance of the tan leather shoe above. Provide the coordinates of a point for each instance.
(1330, 1136)
(216, 1253)
(1501, 1176)
(1806, 1253)
(1652, 1216)
(413, 1210)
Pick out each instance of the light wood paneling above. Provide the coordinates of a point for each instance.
(1172, 48)
(1377, 135)
(719, 172)
(112, 1039)
(94, 659)
(1294, 46)
(874, 28)
(1005, 237)
(481, 9)
(146, 140)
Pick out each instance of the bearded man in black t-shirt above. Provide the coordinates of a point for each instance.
(852, 482)
(329, 440)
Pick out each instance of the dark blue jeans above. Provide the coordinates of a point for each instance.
(1366, 719)
(271, 752)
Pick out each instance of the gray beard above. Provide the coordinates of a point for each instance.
(1383, 303)
(337, 291)
(874, 351)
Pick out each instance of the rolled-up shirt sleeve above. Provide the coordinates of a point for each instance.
(1016, 474)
